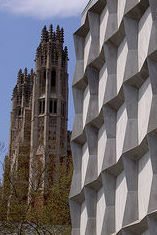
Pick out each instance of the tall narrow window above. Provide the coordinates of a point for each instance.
(19, 111)
(53, 81)
(45, 74)
(53, 106)
(43, 111)
(42, 82)
(42, 106)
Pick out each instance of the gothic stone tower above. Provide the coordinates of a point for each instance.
(50, 108)
(20, 134)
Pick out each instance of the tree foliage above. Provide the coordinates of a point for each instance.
(56, 210)
(53, 217)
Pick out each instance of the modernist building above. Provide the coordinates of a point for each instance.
(114, 140)
(38, 135)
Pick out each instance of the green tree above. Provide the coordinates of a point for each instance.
(56, 210)
(53, 218)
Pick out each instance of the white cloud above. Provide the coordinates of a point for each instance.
(44, 8)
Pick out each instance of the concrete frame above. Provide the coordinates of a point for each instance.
(114, 139)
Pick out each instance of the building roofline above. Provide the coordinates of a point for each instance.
(88, 6)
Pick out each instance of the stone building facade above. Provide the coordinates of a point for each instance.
(38, 134)
(114, 139)
(20, 137)
(49, 109)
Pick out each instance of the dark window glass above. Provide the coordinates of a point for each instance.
(53, 80)
(45, 74)
(42, 106)
(55, 106)
(51, 106)
(19, 112)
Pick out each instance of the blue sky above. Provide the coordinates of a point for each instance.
(20, 29)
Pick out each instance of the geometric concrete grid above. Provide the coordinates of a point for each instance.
(114, 140)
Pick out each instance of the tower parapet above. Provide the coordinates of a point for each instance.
(52, 44)
(22, 92)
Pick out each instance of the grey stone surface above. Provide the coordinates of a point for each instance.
(114, 140)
